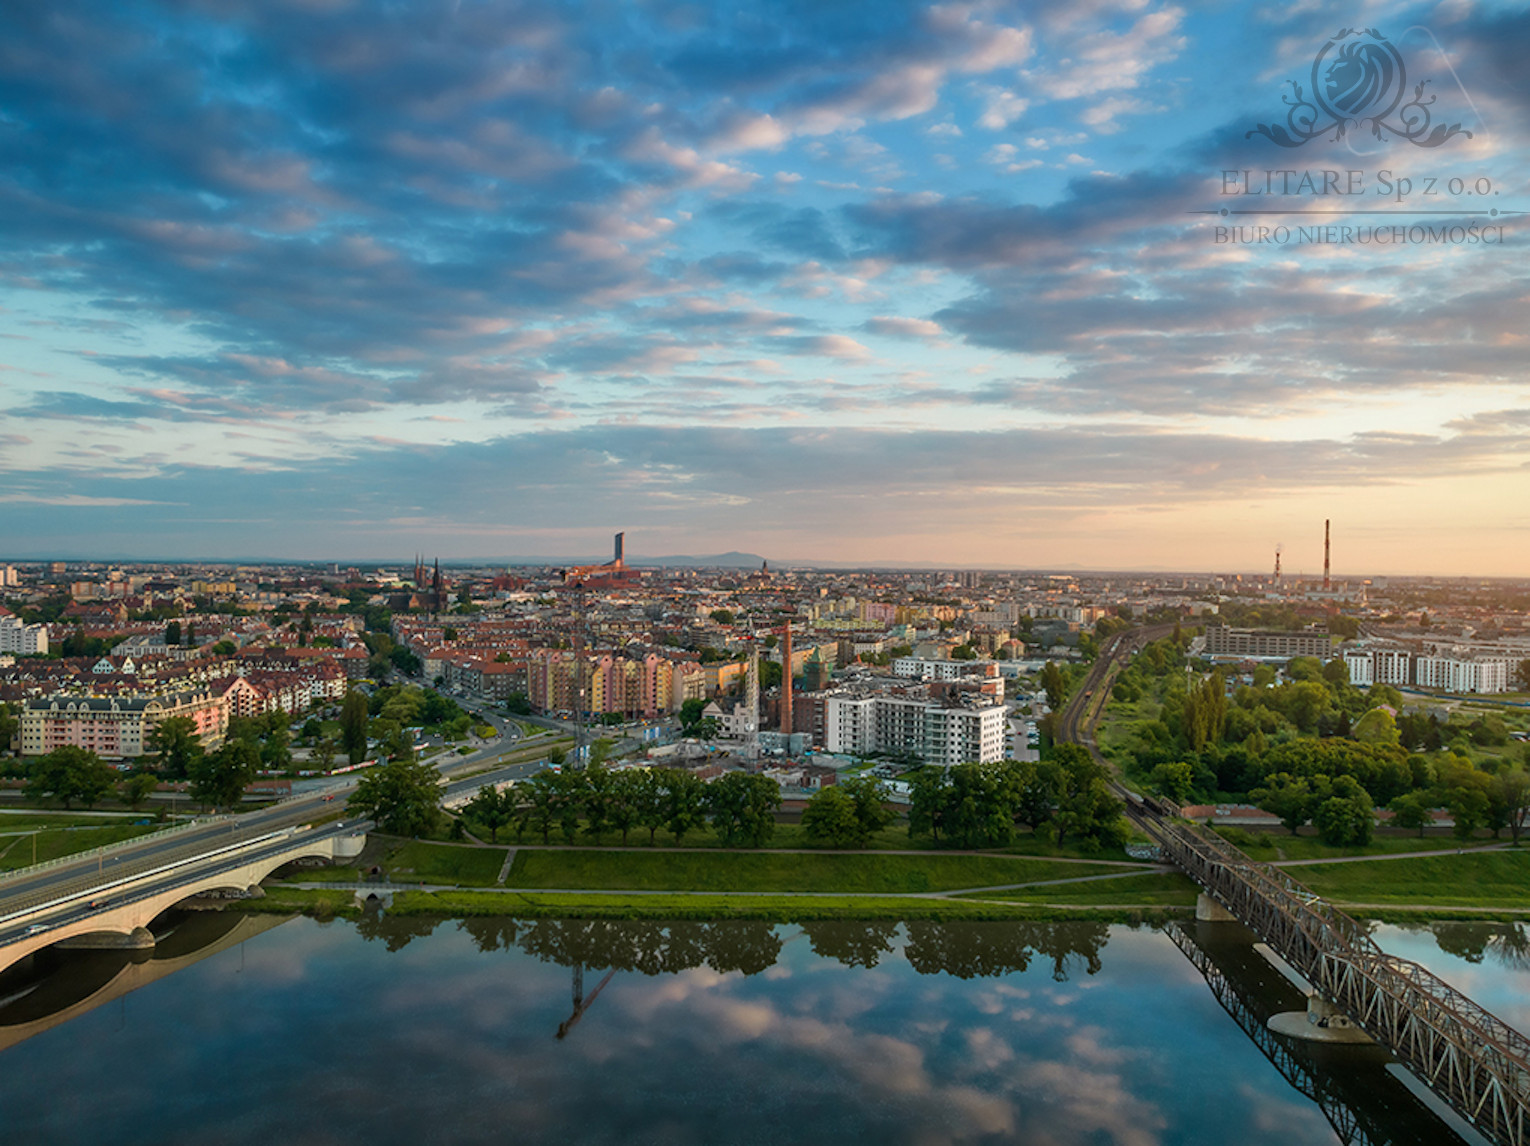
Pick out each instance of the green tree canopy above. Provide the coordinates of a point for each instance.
(176, 746)
(353, 726)
(70, 773)
(404, 797)
(743, 808)
(219, 778)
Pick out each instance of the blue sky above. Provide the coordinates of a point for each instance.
(855, 282)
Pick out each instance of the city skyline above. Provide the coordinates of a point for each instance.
(905, 285)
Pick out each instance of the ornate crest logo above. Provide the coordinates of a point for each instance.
(1359, 78)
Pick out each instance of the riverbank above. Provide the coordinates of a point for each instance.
(321, 903)
(780, 886)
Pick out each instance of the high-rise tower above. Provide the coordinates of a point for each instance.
(1326, 582)
(786, 681)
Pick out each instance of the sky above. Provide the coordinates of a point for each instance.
(936, 284)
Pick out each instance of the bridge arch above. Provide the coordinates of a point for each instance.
(131, 915)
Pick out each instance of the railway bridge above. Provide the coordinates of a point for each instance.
(1471, 1059)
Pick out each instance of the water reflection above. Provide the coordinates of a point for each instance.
(53, 986)
(1366, 1102)
(966, 950)
(1504, 944)
(409, 1029)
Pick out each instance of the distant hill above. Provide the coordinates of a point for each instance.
(733, 560)
(730, 560)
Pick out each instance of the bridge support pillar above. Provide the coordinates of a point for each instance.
(1208, 910)
(139, 939)
(1321, 1022)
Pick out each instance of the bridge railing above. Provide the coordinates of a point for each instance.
(1472, 1058)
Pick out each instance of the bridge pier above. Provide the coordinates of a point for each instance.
(1208, 910)
(1321, 1022)
(138, 939)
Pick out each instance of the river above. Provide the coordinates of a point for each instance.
(259, 1030)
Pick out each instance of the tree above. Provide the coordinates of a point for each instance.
(829, 818)
(1174, 779)
(353, 726)
(70, 773)
(690, 714)
(1287, 797)
(218, 778)
(404, 797)
(492, 808)
(276, 752)
(871, 811)
(539, 811)
(1512, 789)
(1522, 676)
(596, 795)
(225, 649)
(1412, 811)
(176, 745)
(623, 809)
(1376, 727)
(648, 801)
(743, 808)
(927, 802)
(9, 726)
(722, 616)
(324, 752)
(1054, 685)
(1205, 712)
(1346, 817)
(137, 788)
(173, 634)
(685, 801)
(1086, 809)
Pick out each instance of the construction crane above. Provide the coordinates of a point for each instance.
(581, 1002)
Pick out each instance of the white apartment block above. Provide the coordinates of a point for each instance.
(925, 668)
(1459, 670)
(1456, 674)
(22, 640)
(958, 734)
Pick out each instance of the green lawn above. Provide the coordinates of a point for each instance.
(1160, 889)
(760, 871)
(418, 862)
(30, 821)
(1309, 847)
(779, 909)
(16, 851)
(1483, 879)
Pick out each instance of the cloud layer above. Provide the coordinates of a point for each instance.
(951, 246)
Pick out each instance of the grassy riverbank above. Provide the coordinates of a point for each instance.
(1497, 879)
(758, 871)
(773, 909)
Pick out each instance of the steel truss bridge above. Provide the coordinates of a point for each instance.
(1470, 1058)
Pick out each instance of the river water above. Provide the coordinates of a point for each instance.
(265, 1031)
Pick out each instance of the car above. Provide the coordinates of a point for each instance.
(37, 929)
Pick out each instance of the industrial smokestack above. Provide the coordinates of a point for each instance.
(786, 682)
(1326, 583)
